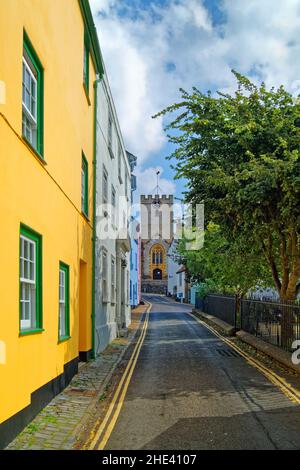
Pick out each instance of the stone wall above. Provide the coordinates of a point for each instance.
(154, 287)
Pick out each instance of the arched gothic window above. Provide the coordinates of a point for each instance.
(157, 255)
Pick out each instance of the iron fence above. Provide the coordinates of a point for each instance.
(274, 322)
(199, 302)
(221, 306)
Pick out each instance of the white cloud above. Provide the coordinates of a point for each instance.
(146, 181)
(150, 55)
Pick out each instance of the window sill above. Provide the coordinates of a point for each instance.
(86, 94)
(63, 339)
(31, 332)
(33, 150)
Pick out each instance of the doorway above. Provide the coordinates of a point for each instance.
(157, 274)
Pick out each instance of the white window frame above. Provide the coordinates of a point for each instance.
(105, 186)
(83, 189)
(29, 282)
(27, 66)
(113, 279)
(120, 158)
(110, 135)
(29, 121)
(126, 183)
(128, 287)
(113, 205)
(104, 277)
(62, 303)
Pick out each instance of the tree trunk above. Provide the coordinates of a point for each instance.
(289, 291)
(287, 284)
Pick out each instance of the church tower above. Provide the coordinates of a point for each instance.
(157, 232)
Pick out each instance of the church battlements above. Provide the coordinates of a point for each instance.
(163, 199)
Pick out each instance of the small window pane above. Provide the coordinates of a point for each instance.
(25, 249)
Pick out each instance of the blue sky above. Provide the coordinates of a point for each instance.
(152, 48)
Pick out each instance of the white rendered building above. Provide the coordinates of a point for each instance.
(172, 268)
(112, 249)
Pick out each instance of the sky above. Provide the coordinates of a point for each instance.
(153, 48)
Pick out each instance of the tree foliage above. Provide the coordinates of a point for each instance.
(240, 156)
(227, 267)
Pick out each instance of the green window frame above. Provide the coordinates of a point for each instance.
(86, 63)
(30, 279)
(32, 98)
(84, 186)
(64, 302)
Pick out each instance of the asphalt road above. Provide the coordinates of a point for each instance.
(189, 390)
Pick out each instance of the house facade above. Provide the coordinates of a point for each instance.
(47, 125)
(172, 268)
(135, 294)
(182, 285)
(112, 241)
(179, 286)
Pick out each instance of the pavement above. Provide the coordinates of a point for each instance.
(60, 424)
(190, 390)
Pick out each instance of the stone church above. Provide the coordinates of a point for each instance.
(157, 232)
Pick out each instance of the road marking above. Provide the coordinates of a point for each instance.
(119, 395)
(292, 393)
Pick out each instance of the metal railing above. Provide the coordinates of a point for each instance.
(275, 322)
(221, 306)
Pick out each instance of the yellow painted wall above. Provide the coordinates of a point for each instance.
(47, 198)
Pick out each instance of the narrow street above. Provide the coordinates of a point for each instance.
(190, 390)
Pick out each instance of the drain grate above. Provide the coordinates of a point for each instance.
(227, 352)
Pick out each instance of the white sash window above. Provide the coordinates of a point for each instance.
(28, 283)
(62, 303)
(29, 102)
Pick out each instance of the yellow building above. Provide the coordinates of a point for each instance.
(49, 61)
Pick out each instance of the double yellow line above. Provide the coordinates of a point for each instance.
(292, 393)
(100, 435)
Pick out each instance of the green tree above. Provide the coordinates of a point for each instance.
(228, 267)
(240, 156)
